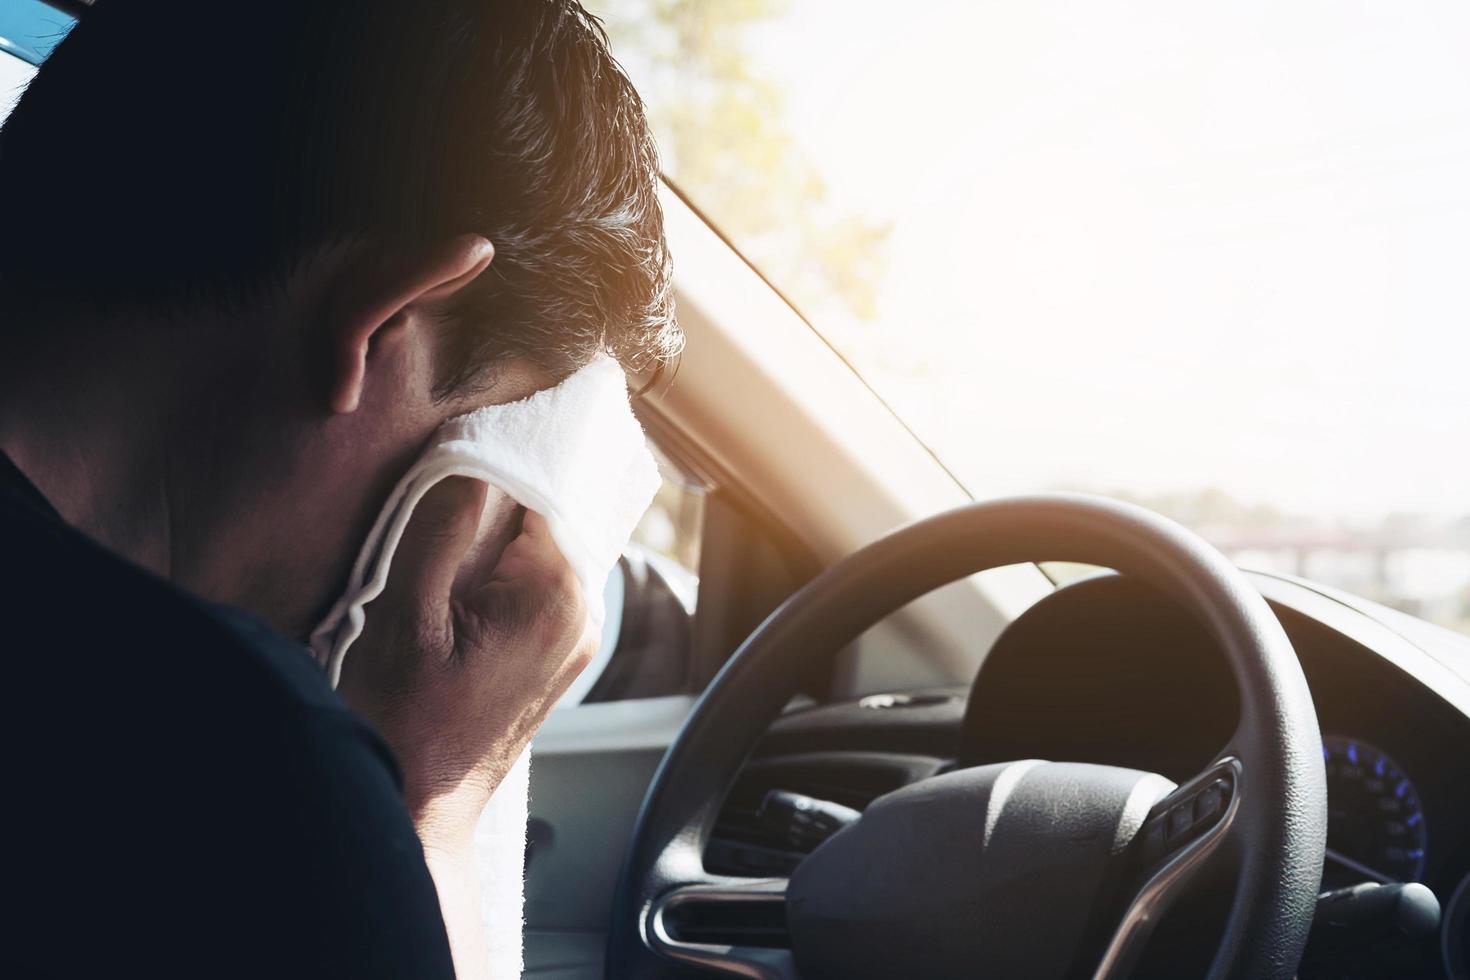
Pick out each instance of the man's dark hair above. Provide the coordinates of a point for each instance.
(171, 153)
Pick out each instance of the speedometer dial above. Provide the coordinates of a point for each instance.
(1375, 821)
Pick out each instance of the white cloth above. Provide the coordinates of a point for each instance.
(574, 454)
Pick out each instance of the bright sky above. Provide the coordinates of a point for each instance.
(1159, 246)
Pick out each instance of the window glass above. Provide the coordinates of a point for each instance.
(650, 598)
(673, 526)
(1208, 257)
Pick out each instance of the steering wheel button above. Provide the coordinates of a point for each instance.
(1155, 843)
(1211, 801)
(1181, 821)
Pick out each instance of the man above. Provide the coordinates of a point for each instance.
(254, 255)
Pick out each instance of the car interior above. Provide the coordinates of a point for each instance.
(855, 715)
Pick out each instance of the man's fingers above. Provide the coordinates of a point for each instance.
(536, 526)
(533, 586)
(532, 558)
(439, 535)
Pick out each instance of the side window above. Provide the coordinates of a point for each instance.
(673, 526)
(651, 597)
(704, 567)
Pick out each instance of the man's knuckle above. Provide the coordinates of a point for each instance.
(582, 654)
(513, 605)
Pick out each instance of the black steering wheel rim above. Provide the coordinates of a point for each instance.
(1281, 788)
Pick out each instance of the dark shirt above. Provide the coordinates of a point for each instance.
(184, 793)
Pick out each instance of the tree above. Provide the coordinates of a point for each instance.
(724, 140)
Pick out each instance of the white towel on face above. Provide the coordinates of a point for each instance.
(574, 454)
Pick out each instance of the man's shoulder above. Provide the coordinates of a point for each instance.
(150, 688)
(192, 775)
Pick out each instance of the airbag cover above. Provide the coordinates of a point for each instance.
(985, 872)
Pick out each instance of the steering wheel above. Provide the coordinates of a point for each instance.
(1027, 868)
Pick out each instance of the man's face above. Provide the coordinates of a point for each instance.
(403, 432)
(356, 399)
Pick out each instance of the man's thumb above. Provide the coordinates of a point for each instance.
(434, 545)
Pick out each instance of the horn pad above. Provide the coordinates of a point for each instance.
(985, 872)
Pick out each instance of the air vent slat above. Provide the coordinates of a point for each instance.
(742, 845)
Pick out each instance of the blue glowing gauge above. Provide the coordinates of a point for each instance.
(1375, 820)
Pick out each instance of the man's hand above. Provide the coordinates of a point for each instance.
(458, 675)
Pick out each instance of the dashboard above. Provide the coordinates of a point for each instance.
(1107, 671)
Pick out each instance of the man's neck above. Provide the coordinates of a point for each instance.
(88, 432)
(177, 448)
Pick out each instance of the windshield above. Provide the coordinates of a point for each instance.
(1209, 257)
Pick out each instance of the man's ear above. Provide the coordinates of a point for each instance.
(381, 306)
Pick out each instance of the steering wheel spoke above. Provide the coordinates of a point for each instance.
(1197, 813)
(735, 926)
(1177, 838)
